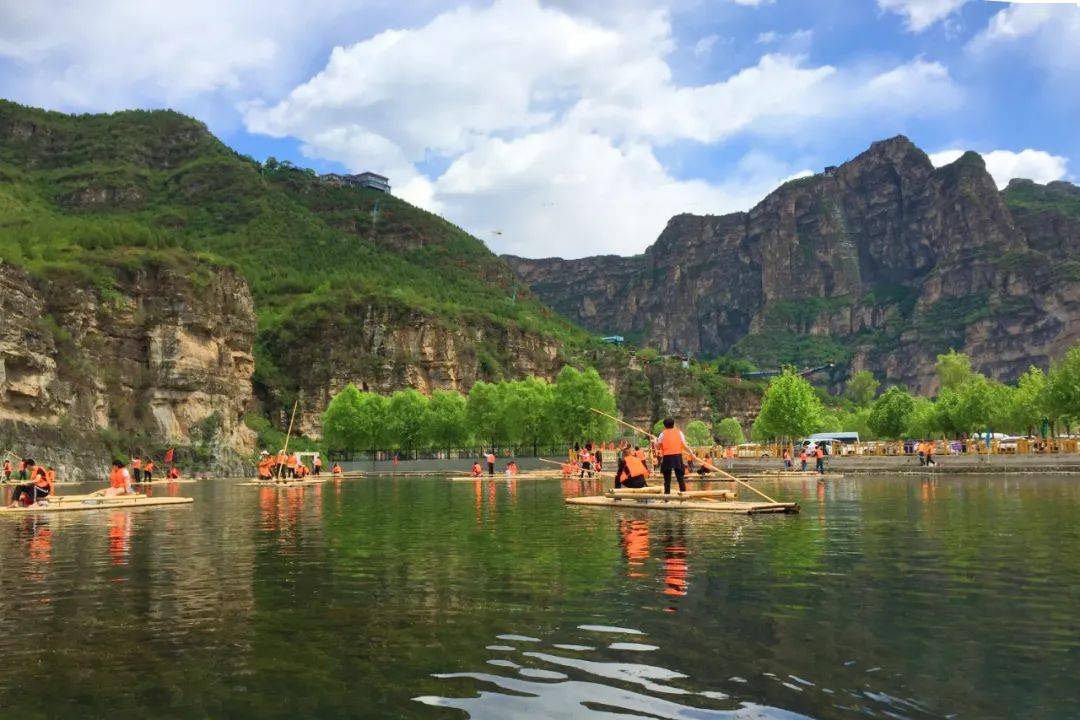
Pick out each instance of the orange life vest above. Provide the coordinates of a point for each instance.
(476, 469)
(149, 466)
(174, 473)
(318, 462)
(137, 463)
(672, 442)
(491, 458)
(639, 454)
(118, 478)
(7, 466)
(635, 467)
(291, 461)
(337, 470)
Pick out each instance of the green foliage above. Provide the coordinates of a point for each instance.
(406, 419)
(730, 432)
(484, 412)
(891, 412)
(1062, 396)
(1027, 196)
(698, 434)
(447, 420)
(341, 420)
(790, 408)
(953, 369)
(575, 394)
(861, 388)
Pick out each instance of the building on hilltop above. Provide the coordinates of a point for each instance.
(361, 180)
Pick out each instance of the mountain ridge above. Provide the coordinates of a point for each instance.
(878, 263)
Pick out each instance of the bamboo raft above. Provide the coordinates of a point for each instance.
(675, 502)
(794, 475)
(165, 481)
(72, 503)
(284, 483)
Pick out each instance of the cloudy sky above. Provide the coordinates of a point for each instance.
(572, 127)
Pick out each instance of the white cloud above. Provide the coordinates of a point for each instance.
(113, 54)
(753, 3)
(1005, 165)
(705, 45)
(921, 14)
(798, 37)
(526, 104)
(1046, 36)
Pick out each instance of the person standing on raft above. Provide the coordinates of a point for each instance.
(631, 472)
(670, 445)
(491, 463)
(317, 466)
(7, 470)
(39, 487)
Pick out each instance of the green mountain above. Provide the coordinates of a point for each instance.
(90, 196)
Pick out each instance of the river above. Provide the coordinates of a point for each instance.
(886, 597)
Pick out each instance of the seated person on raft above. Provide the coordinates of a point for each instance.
(39, 487)
(631, 472)
(120, 480)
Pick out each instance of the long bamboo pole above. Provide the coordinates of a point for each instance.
(704, 463)
(287, 436)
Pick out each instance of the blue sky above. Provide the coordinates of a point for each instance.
(572, 127)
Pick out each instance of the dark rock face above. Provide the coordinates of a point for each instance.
(881, 263)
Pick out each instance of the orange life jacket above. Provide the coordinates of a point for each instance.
(7, 466)
(291, 461)
(318, 462)
(672, 442)
(635, 467)
(149, 466)
(118, 478)
(491, 458)
(337, 469)
(639, 454)
(476, 469)
(137, 463)
(174, 473)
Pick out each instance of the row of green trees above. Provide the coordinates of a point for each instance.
(530, 412)
(968, 402)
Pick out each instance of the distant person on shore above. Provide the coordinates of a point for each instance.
(802, 460)
(930, 462)
(670, 445)
(819, 460)
(491, 462)
(787, 459)
(174, 473)
(7, 470)
(22, 469)
(729, 455)
(598, 459)
(136, 469)
(586, 460)
(148, 470)
(317, 465)
(631, 472)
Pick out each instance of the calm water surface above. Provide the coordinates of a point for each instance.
(886, 597)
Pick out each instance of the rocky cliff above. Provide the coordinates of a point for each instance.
(157, 355)
(880, 263)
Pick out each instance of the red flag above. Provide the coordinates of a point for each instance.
(168, 456)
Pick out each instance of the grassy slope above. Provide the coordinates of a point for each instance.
(80, 194)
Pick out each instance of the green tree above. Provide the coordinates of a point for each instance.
(342, 423)
(447, 421)
(922, 420)
(373, 415)
(953, 369)
(573, 396)
(978, 401)
(1029, 400)
(527, 411)
(890, 413)
(407, 419)
(862, 387)
(730, 432)
(698, 434)
(658, 427)
(790, 407)
(1063, 391)
(484, 412)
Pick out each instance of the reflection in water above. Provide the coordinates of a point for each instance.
(359, 602)
(119, 536)
(595, 689)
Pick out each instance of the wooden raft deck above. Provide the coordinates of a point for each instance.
(284, 483)
(72, 503)
(674, 502)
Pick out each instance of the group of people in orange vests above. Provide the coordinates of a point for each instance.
(510, 470)
(289, 466)
(143, 470)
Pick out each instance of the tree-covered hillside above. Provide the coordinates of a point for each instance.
(87, 195)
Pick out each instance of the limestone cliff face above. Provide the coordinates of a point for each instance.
(880, 263)
(164, 354)
(382, 348)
